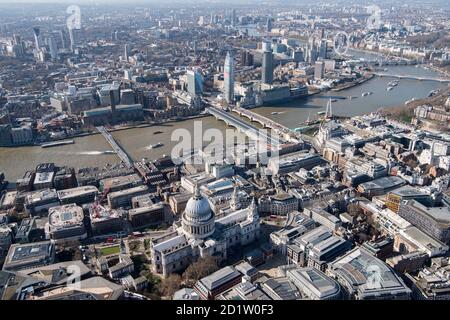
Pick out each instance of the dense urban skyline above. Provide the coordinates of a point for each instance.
(224, 150)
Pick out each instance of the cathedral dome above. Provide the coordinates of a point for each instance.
(197, 208)
(198, 218)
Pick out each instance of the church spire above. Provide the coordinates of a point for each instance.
(197, 194)
(252, 210)
(234, 204)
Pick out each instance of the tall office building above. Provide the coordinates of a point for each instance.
(267, 65)
(298, 56)
(17, 39)
(126, 53)
(63, 39)
(37, 37)
(323, 49)
(194, 82)
(53, 48)
(73, 38)
(228, 78)
(194, 47)
(233, 17)
(18, 47)
(115, 35)
(269, 24)
(246, 58)
(312, 53)
(319, 70)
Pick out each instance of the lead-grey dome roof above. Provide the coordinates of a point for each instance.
(197, 208)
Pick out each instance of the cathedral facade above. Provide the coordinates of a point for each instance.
(199, 234)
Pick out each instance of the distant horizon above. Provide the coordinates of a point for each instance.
(207, 1)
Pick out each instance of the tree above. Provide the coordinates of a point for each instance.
(354, 210)
(412, 163)
(134, 245)
(147, 244)
(170, 285)
(200, 269)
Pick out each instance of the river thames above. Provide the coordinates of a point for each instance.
(90, 150)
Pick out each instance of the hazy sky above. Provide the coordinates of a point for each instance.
(401, 2)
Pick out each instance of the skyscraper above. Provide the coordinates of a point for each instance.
(126, 53)
(17, 39)
(233, 17)
(298, 55)
(228, 78)
(323, 49)
(319, 70)
(267, 65)
(194, 47)
(73, 39)
(63, 39)
(53, 48)
(246, 58)
(37, 37)
(194, 82)
(312, 53)
(269, 24)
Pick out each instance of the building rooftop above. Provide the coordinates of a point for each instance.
(128, 107)
(95, 288)
(383, 183)
(186, 294)
(137, 211)
(314, 236)
(57, 273)
(280, 289)
(42, 195)
(440, 214)
(120, 180)
(408, 191)
(314, 281)
(127, 191)
(424, 241)
(244, 291)
(44, 177)
(368, 276)
(433, 282)
(75, 192)
(21, 255)
(65, 216)
(99, 213)
(13, 286)
(219, 277)
(175, 242)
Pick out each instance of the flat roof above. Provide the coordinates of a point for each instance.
(78, 191)
(66, 215)
(117, 181)
(383, 183)
(316, 281)
(19, 254)
(44, 177)
(439, 214)
(136, 211)
(42, 195)
(282, 288)
(127, 191)
(408, 191)
(421, 237)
